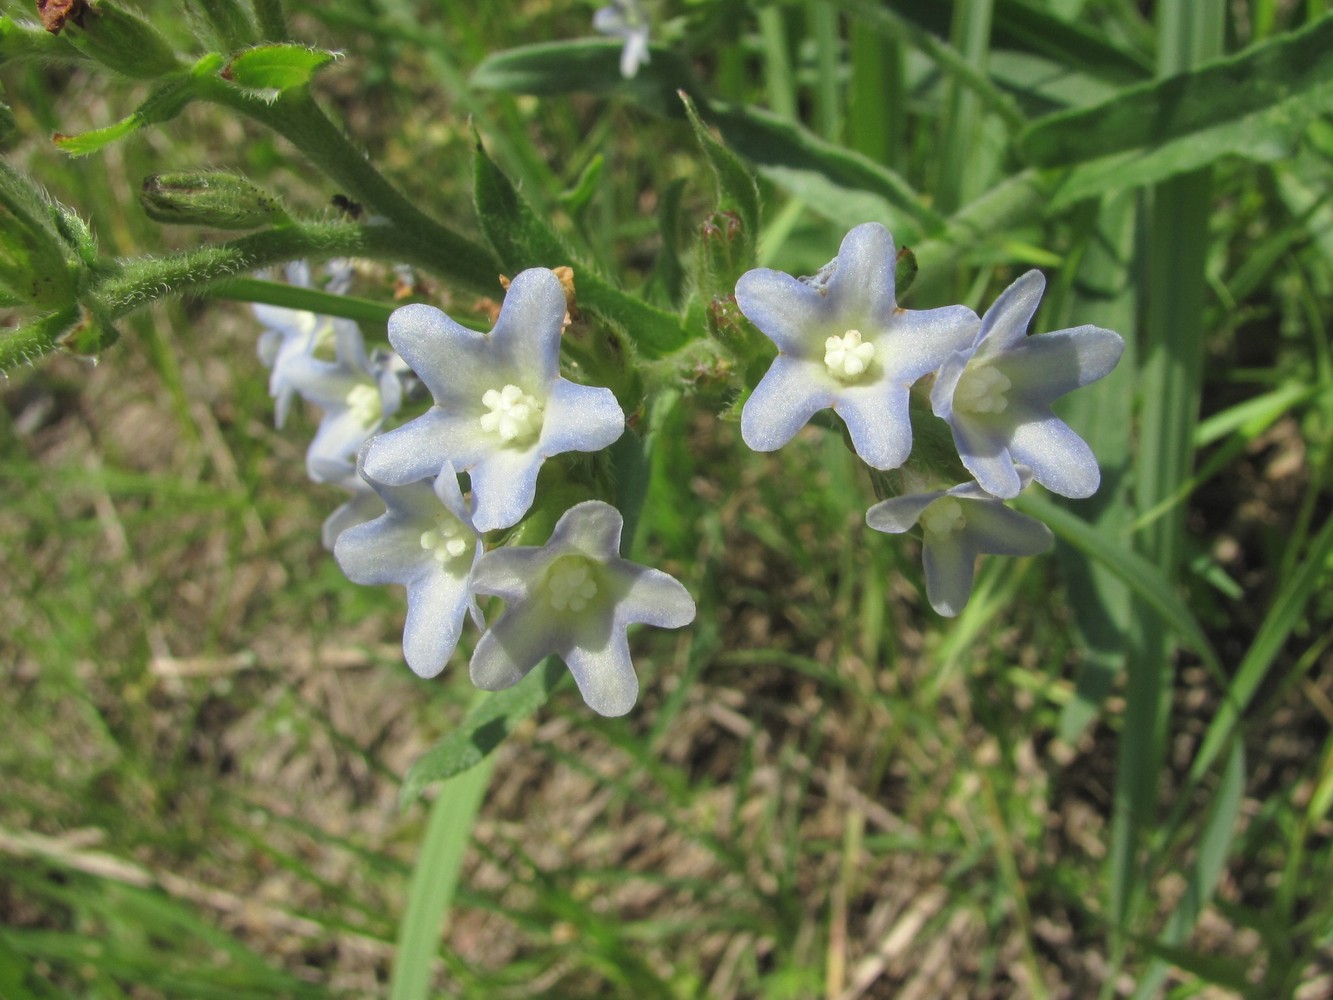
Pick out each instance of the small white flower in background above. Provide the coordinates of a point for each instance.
(295, 333)
(996, 396)
(357, 392)
(501, 408)
(574, 597)
(844, 343)
(957, 525)
(425, 541)
(625, 19)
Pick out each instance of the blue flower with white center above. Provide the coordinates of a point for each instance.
(424, 541)
(362, 505)
(625, 19)
(357, 392)
(574, 597)
(501, 408)
(957, 525)
(844, 343)
(997, 393)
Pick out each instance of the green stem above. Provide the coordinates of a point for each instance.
(145, 281)
(29, 342)
(295, 116)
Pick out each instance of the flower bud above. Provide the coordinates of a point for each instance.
(206, 198)
(122, 41)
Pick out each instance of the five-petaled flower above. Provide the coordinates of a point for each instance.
(426, 542)
(575, 597)
(996, 396)
(501, 408)
(957, 525)
(844, 343)
(625, 19)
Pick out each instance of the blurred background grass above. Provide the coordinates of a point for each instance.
(826, 790)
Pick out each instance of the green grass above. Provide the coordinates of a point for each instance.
(1111, 776)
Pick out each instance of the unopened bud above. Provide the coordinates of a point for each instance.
(205, 198)
(122, 41)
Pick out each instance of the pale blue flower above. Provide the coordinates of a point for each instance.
(625, 19)
(424, 541)
(958, 524)
(357, 392)
(501, 408)
(574, 597)
(363, 504)
(844, 343)
(291, 334)
(996, 396)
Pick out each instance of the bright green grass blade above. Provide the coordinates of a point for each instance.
(779, 81)
(1293, 68)
(1286, 612)
(276, 293)
(1102, 292)
(823, 20)
(1141, 576)
(963, 163)
(876, 115)
(434, 880)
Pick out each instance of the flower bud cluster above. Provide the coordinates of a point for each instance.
(844, 343)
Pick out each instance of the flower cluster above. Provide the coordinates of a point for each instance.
(500, 409)
(844, 343)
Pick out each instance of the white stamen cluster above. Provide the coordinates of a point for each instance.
(447, 540)
(943, 517)
(571, 585)
(981, 390)
(848, 356)
(364, 402)
(511, 414)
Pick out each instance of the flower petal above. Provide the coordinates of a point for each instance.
(592, 528)
(897, 515)
(436, 604)
(862, 283)
(994, 528)
(580, 418)
(408, 453)
(792, 391)
(880, 424)
(1045, 367)
(1006, 321)
(950, 564)
(605, 676)
(514, 644)
(920, 340)
(527, 331)
(509, 572)
(652, 597)
(504, 485)
(788, 312)
(385, 550)
(1060, 460)
(983, 452)
(451, 360)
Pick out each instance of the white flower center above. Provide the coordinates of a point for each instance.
(447, 540)
(848, 356)
(512, 414)
(365, 403)
(981, 390)
(570, 584)
(943, 517)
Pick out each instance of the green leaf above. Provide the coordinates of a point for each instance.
(1256, 105)
(163, 104)
(484, 729)
(736, 188)
(1292, 67)
(271, 69)
(587, 66)
(524, 240)
(1141, 576)
(315, 300)
(844, 186)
